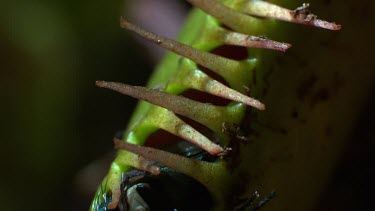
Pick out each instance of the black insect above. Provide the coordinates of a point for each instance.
(168, 191)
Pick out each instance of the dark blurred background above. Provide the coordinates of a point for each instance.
(56, 137)
(56, 123)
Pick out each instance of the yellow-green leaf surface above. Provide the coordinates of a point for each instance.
(312, 93)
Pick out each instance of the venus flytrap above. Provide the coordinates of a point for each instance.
(222, 23)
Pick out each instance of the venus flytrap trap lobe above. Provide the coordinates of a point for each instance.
(241, 16)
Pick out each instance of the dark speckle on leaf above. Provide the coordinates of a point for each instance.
(321, 95)
(305, 87)
(294, 114)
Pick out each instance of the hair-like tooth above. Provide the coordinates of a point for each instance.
(227, 68)
(221, 90)
(203, 113)
(139, 162)
(205, 83)
(234, 38)
(301, 15)
(176, 126)
(228, 16)
(179, 163)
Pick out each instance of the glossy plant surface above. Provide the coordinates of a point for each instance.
(279, 130)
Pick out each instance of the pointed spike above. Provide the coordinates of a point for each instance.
(224, 14)
(175, 103)
(301, 15)
(176, 126)
(139, 162)
(202, 82)
(222, 66)
(219, 89)
(179, 163)
(203, 113)
(234, 38)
